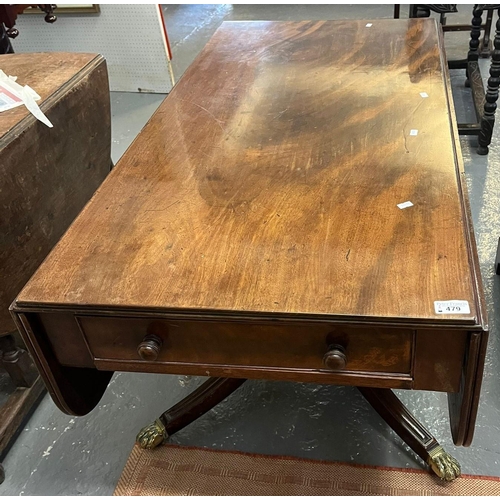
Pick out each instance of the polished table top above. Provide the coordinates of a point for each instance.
(256, 228)
(268, 182)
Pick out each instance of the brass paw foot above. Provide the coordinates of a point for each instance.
(152, 435)
(443, 464)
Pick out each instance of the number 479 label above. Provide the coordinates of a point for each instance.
(451, 307)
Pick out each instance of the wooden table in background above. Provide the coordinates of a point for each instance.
(252, 231)
(47, 175)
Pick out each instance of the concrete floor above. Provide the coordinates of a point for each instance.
(59, 455)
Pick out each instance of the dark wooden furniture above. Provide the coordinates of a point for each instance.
(46, 177)
(484, 102)
(252, 231)
(423, 10)
(485, 43)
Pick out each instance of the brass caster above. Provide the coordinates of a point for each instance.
(443, 464)
(152, 435)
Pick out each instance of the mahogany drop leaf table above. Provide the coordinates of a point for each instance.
(295, 210)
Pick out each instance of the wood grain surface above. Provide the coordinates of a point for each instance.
(268, 182)
(384, 350)
(47, 175)
(44, 72)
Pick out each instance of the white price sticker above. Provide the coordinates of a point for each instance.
(451, 307)
(406, 204)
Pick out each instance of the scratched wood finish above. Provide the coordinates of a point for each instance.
(268, 181)
(47, 175)
(44, 72)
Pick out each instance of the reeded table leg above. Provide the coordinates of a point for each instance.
(412, 432)
(208, 395)
(384, 401)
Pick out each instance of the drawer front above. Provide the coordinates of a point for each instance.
(210, 343)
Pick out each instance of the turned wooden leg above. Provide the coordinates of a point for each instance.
(412, 432)
(208, 395)
(17, 362)
(490, 106)
(497, 260)
(475, 33)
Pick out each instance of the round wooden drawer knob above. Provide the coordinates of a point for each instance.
(150, 347)
(335, 358)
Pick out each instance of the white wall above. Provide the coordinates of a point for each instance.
(129, 37)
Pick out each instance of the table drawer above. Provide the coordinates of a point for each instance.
(217, 343)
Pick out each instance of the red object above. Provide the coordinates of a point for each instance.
(169, 50)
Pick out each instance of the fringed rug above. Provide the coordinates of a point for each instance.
(178, 470)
